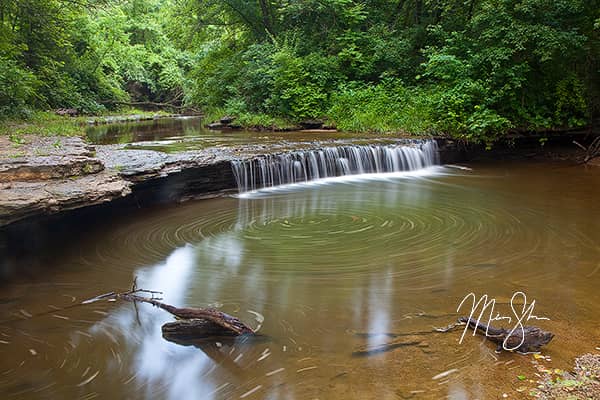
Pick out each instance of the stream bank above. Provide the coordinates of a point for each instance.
(48, 182)
(50, 175)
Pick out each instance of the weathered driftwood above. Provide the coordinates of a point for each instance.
(591, 152)
(526, 340)
(219, 323)
(522, 340)
(187, 331)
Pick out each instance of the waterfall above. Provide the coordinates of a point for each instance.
(310, 165)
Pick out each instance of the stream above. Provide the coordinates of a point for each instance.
(314, 266)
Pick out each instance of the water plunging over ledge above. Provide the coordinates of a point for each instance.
(311, 165)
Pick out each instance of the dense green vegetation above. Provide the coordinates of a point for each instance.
(86, 54)
(473, 69)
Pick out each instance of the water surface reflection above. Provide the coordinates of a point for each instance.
(321, 263)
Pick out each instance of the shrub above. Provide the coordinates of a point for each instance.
(17, 89)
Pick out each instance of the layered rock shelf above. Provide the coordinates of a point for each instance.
(49, 175)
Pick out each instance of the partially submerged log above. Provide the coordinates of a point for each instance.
(528, 339)
(204, 334)
(365, 351)
(192, 324)
(189, 330)
(227, 324)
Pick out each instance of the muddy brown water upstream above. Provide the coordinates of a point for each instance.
(320, 263)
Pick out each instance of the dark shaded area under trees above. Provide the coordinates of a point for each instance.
(473, 69)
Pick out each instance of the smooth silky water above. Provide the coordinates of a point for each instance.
(322, 264)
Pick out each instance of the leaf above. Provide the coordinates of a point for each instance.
(521, 377)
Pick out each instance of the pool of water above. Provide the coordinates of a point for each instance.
(333, 268)
(187, 134)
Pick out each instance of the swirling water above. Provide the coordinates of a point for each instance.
(319, 263)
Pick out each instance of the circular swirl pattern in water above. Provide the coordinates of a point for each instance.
(328, 269)
(415, 225)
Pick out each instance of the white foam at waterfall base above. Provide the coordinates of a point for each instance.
(381, 176)
(335, 164)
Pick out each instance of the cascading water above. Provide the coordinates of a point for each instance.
(310, 165)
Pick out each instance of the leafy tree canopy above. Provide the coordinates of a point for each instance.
(473, 69)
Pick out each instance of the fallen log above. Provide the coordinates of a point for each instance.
(192, 323)
(218, 322)
(527, 339)
(187, 331)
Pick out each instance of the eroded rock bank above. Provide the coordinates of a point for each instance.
(50, 175)
(62, 183)
(52, 188)
(45, 176)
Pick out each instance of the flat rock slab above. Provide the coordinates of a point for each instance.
(115, 119)
(47, 175)
(139, 165)
(20, 200)
(41, 158)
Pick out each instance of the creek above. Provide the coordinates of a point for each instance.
(313, 264)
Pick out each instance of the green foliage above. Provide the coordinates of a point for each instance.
(387, 107)
(301, 84)
(87, 55)
(571, 103)
(40, 123)
(17, 89)
(471, 69)
(266, 78)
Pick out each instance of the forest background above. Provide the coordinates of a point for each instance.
(470, 69)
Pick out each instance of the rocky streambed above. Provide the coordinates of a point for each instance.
(50, 175)
(42, 176)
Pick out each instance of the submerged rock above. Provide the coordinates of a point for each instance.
(216, 126)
